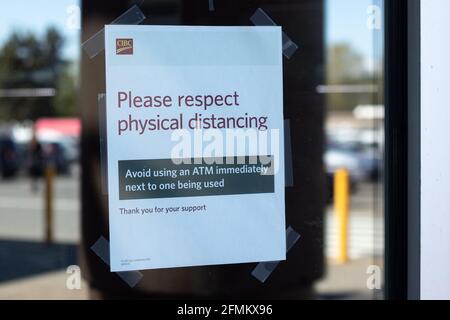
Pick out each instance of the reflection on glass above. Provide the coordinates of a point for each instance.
(333, 101)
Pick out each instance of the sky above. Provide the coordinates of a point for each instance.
(346, 22)
(36, 16)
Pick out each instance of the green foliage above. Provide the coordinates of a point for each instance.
(65, 101)
(28, 61)
(346, 67)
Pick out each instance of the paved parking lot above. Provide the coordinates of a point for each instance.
(22, 211)
(26, 261)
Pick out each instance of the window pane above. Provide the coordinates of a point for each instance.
(53, 191)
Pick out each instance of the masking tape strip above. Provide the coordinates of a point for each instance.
(264, 269)
(289, 47)
(288, 165)
(96, 44)
(260, 18)
(101, 249)
(292, 237)
(211, 5)
(103, 142)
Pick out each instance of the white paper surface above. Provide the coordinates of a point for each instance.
(243, 65)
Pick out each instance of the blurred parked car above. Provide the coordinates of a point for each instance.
(56, 154)
(341, 158)
(9, 162)
(371, 163)
(71, 149)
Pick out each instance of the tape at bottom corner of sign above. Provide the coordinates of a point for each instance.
(261, 18)
(132, 278)
(263, 270)
(101, 249)
(292, 237)
(96, 44)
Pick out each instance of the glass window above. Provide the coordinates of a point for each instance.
(52, 194)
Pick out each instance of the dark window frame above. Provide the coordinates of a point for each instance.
(402, 149)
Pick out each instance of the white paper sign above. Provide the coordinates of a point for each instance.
(195, 146)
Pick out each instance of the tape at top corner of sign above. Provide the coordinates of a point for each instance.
(261, 18)
(96, 44)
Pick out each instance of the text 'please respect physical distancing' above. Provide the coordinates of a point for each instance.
(156, 105)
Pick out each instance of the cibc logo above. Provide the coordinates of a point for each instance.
(124, 46)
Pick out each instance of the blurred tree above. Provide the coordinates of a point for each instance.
(345, 66)
(28, 61)
(65, 101)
